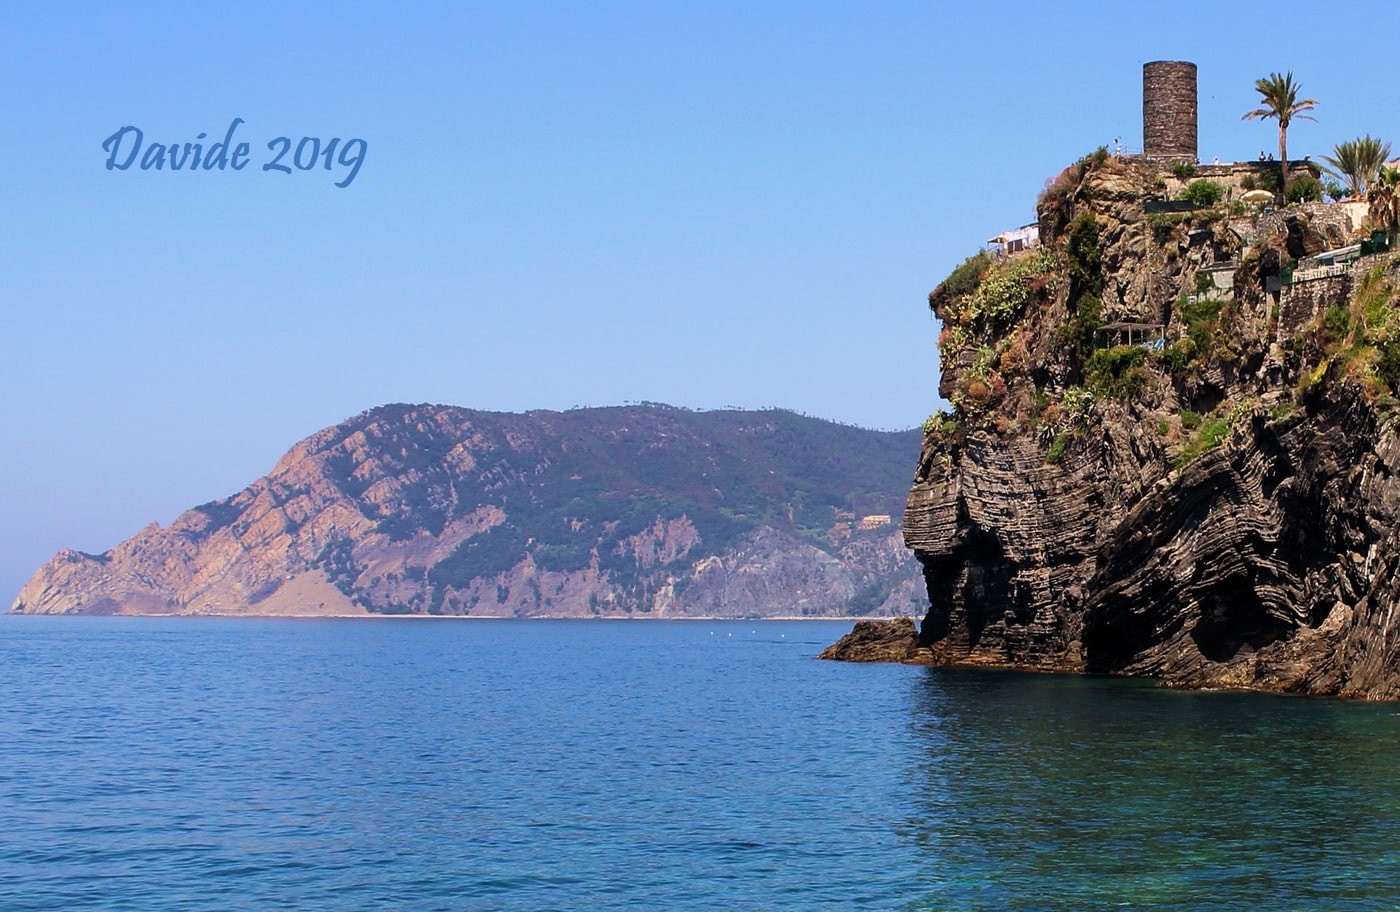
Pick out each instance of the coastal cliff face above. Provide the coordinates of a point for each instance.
(643, 511)
(1216, 508)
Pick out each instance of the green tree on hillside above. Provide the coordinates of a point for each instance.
(1358, 161)
(1280, 96)
(1384, 197)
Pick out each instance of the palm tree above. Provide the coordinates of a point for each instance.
(1384, 196)
(1357, 161)
(1280, 95)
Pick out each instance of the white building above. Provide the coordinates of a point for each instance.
(1009, 242)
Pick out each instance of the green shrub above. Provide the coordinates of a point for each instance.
(1078, 331)
(1211, 434)
(963, 280)
(1204, 283)
(1161, 222)
(1177, 358)
(1202, 318)
(1388, 365)
(983, 362)
(1305, 189)
(1189, 419)
(1077, 401)
(1373, 299)
(1057, 448)
(1084, 257)
(1116, 371)
(1184, 169)
(1336, 324)
(1248, 183)
(1203, 193)
(1004, 292)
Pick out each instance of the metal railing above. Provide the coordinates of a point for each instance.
(1294, 276)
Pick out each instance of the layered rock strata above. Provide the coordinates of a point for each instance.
(1144, 474)
(895, 640)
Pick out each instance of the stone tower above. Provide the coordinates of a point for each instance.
(1169, 110)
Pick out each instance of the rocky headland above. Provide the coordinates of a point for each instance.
(639, 511)
(1173, 444)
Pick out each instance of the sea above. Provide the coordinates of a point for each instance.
(251, 764)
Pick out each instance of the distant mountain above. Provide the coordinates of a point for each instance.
(645, 510)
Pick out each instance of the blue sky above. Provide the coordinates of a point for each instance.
(562, 204)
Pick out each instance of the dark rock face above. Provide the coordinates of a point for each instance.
(877, 641)
(1222, 511)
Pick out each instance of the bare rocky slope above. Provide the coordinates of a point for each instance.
(1217, 508)
(646, 511)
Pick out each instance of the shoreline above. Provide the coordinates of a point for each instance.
(449, 617)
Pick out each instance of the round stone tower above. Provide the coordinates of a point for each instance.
(1169, 110)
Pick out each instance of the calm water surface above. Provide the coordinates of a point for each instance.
(349, 765)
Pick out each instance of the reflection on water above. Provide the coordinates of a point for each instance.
(1069, 793)
(248, 765)
(507, 766)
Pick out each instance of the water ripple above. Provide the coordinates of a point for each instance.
(252, 765)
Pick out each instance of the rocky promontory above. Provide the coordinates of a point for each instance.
(895, 640)
(1173, 444)
(637, 511)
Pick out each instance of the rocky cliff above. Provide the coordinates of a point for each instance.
(1173, 446)
(643, 511)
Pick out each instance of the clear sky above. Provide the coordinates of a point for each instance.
(561, 204)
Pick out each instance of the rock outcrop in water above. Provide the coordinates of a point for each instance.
(643, 511)
(1219, 506)
(895, 640)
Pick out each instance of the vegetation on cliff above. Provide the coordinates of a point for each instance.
(1172, 436)
(412, 509)
(1028, 342)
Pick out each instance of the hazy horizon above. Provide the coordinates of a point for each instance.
(557, 205)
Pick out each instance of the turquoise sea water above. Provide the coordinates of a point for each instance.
(399, 764)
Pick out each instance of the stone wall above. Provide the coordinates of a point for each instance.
(1233, 176)
(1311, 227)
(1330, 222)
(1169, 110)
(1300, 303)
